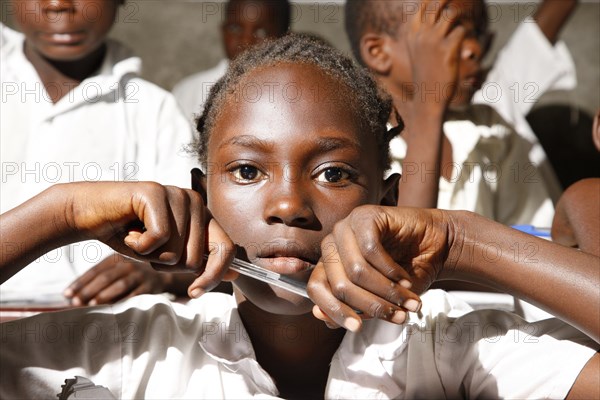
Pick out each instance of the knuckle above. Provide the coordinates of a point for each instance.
(314, 286)
(340, 290)
(381, 311)
(356, 271)
(392, 294)
(169, 257)
(370, 246)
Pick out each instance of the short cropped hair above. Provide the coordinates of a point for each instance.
(371, 106)
(377, 16)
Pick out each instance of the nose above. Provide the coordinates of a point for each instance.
(247, 38)
(471, 50)
(59, 5)
(288, 204)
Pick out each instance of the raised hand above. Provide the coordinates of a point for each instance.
(376, 261)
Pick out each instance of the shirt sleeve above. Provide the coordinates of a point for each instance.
(527, 67)
(503, 356)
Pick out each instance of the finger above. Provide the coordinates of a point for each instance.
(99, 283)
(320, 293)
(430, 11)
(447, 20)
(356, 271)
(150, 209)
(87, 277)
(441, 7)
(193, 257)
(319, 314)
(178, 216)
(221, 253)
(362, 249)
(361, 299)
(118, 289)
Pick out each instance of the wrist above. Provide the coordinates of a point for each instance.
(457, 263)
(63, 218)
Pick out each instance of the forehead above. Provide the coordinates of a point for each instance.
(251, 11)
(468, 10)
(286, 101)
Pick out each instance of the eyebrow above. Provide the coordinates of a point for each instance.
(249, 141)
(323, 144)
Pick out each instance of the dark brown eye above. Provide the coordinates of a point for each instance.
(246, 173)
(333, 175)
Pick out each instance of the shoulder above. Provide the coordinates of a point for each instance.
(209, 76)
(585, 189)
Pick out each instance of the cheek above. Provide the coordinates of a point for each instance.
(232, 209)
(335, 207)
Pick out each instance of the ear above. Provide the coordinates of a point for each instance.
(199, 182)
(390, 190)
(374, 51)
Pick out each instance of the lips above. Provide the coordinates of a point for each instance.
(286, 258)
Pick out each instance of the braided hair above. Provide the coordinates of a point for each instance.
(371, 106)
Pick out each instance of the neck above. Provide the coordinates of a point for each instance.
(295, 350)
(59, 77)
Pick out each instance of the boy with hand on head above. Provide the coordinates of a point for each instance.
(263, 341)
(247, 23)
(453, 155)
(73, 108)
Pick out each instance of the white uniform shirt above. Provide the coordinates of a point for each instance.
(527, 67)
(149, 348)
(491, 172)
(191, 92)
(114, 126)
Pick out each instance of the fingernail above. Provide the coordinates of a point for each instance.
(412, 305)
(352, 324)
(399, 317)
(76, 301)
(93, 302)
(195, 293)
(68, 292)
(405, 284)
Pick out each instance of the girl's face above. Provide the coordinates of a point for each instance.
(286, 161)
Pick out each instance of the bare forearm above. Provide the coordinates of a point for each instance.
(552, 15)
(32, 229)
(421, 169)
(561, 280)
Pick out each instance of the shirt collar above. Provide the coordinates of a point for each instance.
(225, 339)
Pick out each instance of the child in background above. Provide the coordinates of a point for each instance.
(263, 342)
(73, 108)
(247, 23)
(427, 55)
(577, 219)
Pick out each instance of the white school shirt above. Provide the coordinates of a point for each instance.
(491, 173)
(113, 126)
(527, 67)
(192, 91)
(150, 348)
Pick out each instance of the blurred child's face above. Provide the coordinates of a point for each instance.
(247, 23)
(65, 30)
(469, 74)
(283, 167)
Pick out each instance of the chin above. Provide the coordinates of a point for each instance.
(273, 299)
